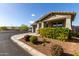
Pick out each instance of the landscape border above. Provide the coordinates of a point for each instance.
(27, 48)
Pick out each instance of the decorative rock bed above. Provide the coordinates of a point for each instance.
(69, 47)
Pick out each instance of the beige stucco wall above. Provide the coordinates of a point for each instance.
(67, 21)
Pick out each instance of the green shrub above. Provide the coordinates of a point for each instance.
(75, 34)
(26, 37)
(23, 27)
(33, 39)
(3, 28)
(60, 33)
(57, 50)
(76, 54)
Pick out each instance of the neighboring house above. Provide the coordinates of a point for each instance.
(54, 19)
(75, 28)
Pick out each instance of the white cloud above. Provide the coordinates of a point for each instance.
(31, 22)
(33, 15)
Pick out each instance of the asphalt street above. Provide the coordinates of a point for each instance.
(8, 47)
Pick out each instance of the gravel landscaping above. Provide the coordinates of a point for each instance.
(70, 47)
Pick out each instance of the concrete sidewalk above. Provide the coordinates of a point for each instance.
(26, 47)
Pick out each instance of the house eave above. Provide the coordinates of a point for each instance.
(73, 14)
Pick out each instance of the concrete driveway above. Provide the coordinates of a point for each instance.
(8, 47)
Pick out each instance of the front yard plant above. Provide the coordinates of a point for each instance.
(59, 33)
(26, 37)
(44, 42)
(76, 54)
(57, 50)
(33, 39)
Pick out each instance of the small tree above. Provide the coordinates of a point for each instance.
(3, 28)
(24, 27)
(13, 27)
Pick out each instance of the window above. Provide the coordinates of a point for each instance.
(54, 24)
(58, 24)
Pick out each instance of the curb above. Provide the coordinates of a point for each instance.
(29, 49)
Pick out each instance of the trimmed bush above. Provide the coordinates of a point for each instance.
(56, 50)
(26, 37)
(33, 39)
(60, 33)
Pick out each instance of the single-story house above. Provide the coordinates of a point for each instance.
(55, 19)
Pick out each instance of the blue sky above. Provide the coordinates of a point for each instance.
(17, 14)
